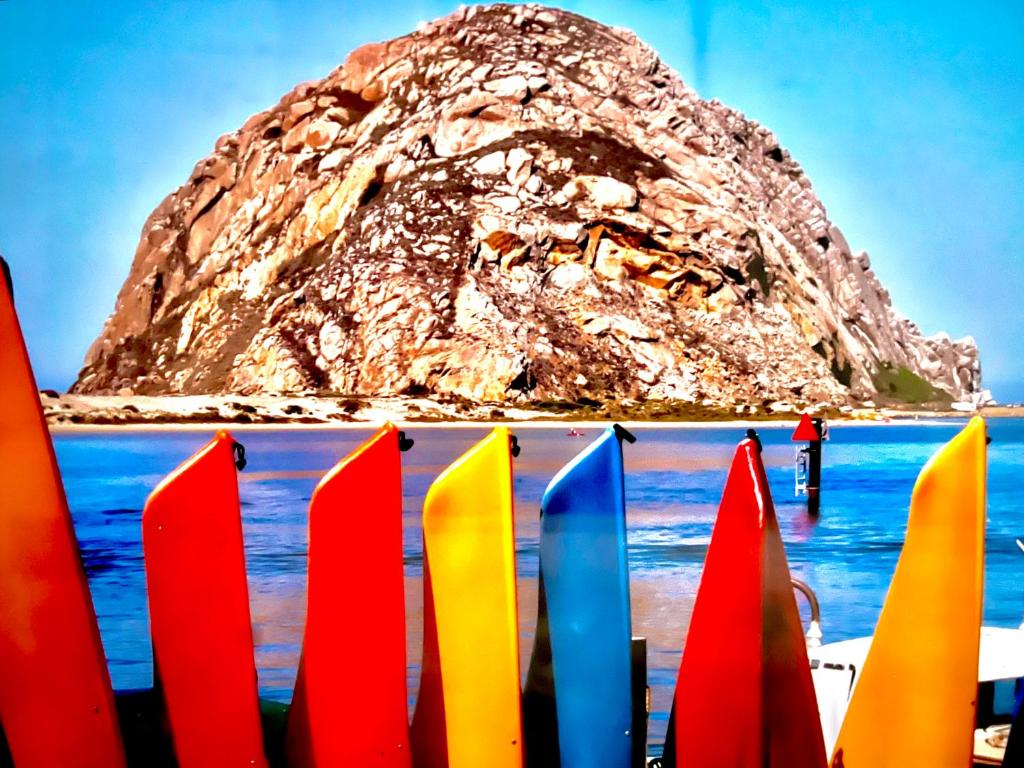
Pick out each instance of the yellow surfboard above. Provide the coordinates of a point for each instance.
(914, 702)
(468, 712)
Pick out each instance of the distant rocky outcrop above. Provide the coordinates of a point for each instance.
(512, 203)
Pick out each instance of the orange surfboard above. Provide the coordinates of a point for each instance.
(914, 701)
(350, 705)
(468, 713)
(744, 697)
(199, 611)
(56, 704)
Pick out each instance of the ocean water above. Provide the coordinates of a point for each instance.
(673, 486)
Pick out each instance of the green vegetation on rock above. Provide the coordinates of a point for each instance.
(905, 386)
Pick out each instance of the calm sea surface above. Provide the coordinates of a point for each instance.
(673, 485)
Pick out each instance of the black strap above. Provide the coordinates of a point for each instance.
(623, 434)
(752, 435)
(6, 269)
(240, 461)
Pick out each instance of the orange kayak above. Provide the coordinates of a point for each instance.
(468, 713)
(56, 703)
(744, 697)
(350, 705)
(199, 611)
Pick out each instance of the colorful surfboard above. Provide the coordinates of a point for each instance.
(468, 713)
(914, 701)
(744, 697)
(56, 704)
(199, 611)
(355, 578)
(578, 696)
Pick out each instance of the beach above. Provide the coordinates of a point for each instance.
(72, 413)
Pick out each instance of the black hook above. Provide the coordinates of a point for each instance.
(752, 435)
(239, 450)
(6, 269)
(623, 434)
(514, 442)
(404, 442)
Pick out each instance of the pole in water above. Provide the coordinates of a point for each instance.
(814, 472)
(812, 432)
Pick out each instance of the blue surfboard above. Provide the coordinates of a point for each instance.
(578, 699)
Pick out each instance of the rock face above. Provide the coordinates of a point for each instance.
(513, 203)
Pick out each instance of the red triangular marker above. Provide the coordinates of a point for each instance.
(805, 431)
(745, 653)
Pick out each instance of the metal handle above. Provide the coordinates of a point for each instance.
(814, 634)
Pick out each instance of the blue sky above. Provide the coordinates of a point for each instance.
(908, 117)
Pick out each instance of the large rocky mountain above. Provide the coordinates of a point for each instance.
(512, 203)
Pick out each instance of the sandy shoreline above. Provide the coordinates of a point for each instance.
(203, 413)
(582, 426)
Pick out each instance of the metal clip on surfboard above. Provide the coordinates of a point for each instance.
(8, 281)
(405, 443)
(202, 633)
(578, 699)
(56, 703)
(745, 650)
(468, 712)
(355, 577)
(923, 660)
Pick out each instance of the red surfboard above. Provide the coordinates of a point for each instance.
(744, 696)
(56, 704)
(199, 611)
(350, 705)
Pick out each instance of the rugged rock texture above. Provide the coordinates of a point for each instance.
(512, 203)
